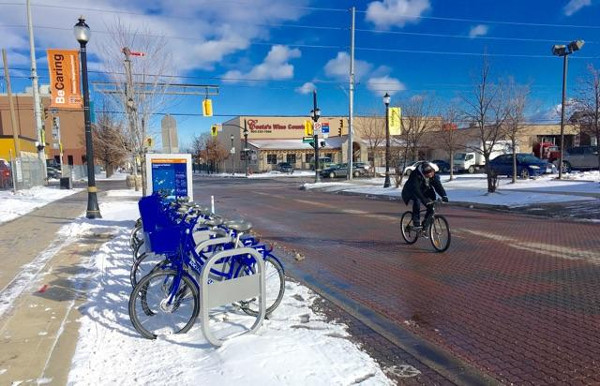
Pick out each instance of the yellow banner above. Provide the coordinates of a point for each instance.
(394, 116)
(64, 79)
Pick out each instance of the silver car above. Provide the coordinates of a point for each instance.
(581, 157)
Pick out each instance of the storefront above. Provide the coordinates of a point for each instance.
(272, 140)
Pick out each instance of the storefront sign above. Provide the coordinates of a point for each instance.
(255, 127)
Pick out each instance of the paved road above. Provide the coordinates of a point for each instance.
(515, 298)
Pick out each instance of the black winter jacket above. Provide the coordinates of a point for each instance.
(422, 188)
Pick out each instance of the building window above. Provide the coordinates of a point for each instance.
(291, 158)
(308, 157)
(330, 155)
(272, 159)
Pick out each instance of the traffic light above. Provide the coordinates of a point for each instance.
(214, 130)
(149, 142)
(341, 127)
(207, 109)
(308, 129)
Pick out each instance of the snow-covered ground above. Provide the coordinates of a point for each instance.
(294, 347)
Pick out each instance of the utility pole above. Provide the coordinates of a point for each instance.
(351, 99)
(11, 106)
(37, 104)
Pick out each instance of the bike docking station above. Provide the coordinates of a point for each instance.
(216, 293)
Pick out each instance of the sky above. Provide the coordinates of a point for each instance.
(266, 57)
(294, 347)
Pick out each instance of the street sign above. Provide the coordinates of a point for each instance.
(325, 128)
(317, 127)
(307, 139)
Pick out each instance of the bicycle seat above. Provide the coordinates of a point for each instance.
(238, 225)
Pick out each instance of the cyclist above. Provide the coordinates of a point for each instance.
(421, 187)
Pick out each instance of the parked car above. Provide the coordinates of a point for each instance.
(411, 168)
(341, 170)
(5, 176)
(362, 165)
(442, 165)
(53, 172)
(581, 157)
(528, 165)
(285, 167)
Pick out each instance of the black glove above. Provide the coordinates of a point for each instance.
(445, 199)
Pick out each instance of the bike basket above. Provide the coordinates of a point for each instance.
(166, 240)
(152, 213)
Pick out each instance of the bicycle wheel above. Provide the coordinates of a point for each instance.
(137, 236)
(146, 264)
(408, 233)
(274, 287)
(439, 233)
(139, 250)
(160, 304)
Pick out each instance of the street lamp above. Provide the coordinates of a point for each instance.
(315, 115)
(82, 34)
(386, 102)
(232, 153)
(246, 150)
(564, 51)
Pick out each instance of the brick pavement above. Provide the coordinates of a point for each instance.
(518, 297)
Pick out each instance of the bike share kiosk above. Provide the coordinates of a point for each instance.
(170, 174)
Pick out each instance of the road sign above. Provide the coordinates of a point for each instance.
(317, 127)
(307, 139)
(325, 128)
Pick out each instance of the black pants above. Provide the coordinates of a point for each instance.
(416, 211)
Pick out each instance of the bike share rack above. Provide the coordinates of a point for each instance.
(219, 293)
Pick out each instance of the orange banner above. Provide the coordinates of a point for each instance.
(64, 79)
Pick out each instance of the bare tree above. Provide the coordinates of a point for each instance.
(588, 105)
(210, 150)
(449, 136)
(110, 142)
(486, 109)
(418, 118)
(515, 120)
(139, 86)
(372, 130)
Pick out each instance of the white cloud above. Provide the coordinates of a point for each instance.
(388, 13)
(381, 85)
(200, 34)
(275, 66)
(306, 88)
(478, 30)
(575, 5)
(339, 67)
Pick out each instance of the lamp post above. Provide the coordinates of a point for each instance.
(232, 153)
(386, 102)
(246, 150)
(82, 34)
(564, 51)
(315, 115)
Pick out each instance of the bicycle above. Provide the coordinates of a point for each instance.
(435, 227)
(166, 299)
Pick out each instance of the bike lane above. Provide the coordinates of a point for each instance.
(517, 297)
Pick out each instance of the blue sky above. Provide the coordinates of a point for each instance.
(266, 56)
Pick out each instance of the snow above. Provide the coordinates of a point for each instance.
(296, 346)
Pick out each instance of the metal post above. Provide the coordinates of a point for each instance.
(93, 210)
(246, 150)
(562, 117)
(37, 103)
(386, 183)
(315, 118)
(232, 155)
(351, 99)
